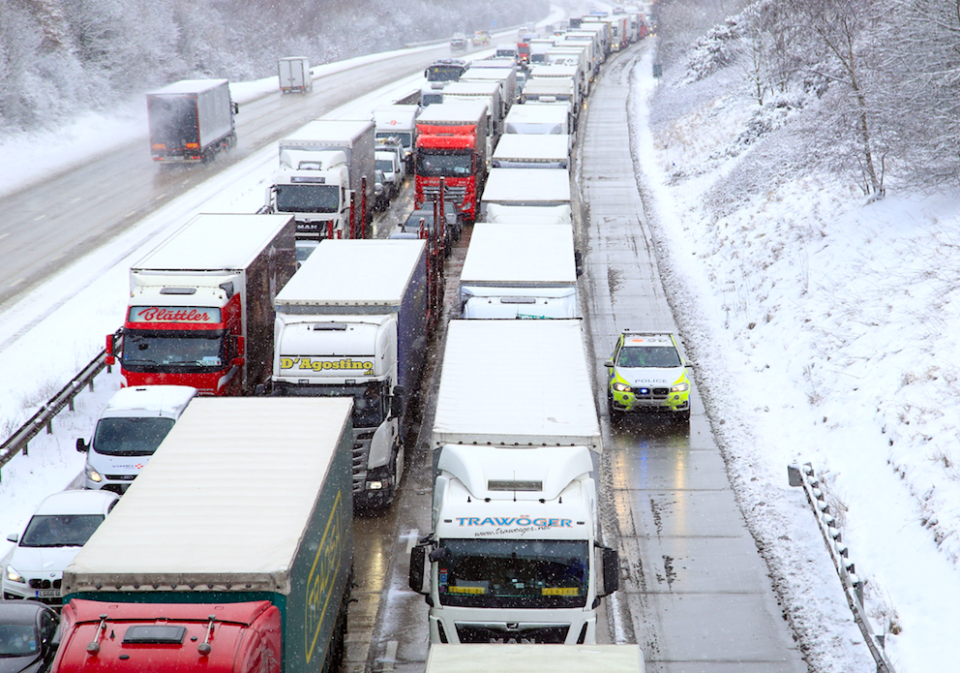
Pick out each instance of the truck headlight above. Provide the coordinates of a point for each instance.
(14, 576)
(680, 388)
(92, 474)
(621, 387)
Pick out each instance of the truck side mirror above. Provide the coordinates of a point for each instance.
(396, 402)
(241, 344)
(578, 261)
(418, 557)
(611, 570)
(238, 362)
(111, 357)
(236, 108)
(82, 445)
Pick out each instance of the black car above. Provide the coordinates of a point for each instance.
(28, 636)
(451, 215)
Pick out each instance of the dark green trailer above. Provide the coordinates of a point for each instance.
(232, 552)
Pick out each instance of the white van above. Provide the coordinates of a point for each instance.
(129, 430)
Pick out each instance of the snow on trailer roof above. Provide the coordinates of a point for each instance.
(485, 393)
(476, 87)
(330, 129)
(395, 115)
(537, 114)
(520, 186)
(188, 86)
(461, 112)
(501, 252)
(226, 496)
(538, 658)
(521, 146)
(353, 273)
(212, 242)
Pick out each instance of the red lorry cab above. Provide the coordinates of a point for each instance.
(112, 637)
(452, 144)
(200, 311)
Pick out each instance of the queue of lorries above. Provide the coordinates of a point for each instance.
(232, 549)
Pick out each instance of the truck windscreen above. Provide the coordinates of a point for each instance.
(369, 405)
(514, 573)
(183, 351)
(132, 436)
(173, 121)
(444, 165)
(308, 198)
(440, 73)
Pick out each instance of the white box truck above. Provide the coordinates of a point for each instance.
(400, 122)
(128, 432)
(530, 658)
(321, 166)
(542, 119)
(502, 279)
(353, 323)
(526, 187)
(531, 151)
(200, 310)
(294, 74)
(515, 551)
(191, 120)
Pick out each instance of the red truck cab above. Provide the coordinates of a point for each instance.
(113, 637)
(451, 144)
(200, 309)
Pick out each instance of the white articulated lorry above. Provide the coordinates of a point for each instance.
(526, 187)
(515, 552)
(321, 166)
(352, 323)
(535, 658)
(501, 279)
(531, 151)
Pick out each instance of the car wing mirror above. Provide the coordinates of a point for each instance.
(608, 364)
(13, 537)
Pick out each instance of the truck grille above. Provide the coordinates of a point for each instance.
(494, 633)
(430, 193)
(361, 453)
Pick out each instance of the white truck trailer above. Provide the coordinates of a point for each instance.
(497, 658)
(502, 279)
(352, 323)
(569, 68)
(553, 90)
(544, 119)
(490, 93)
(531, 151)
(321, 166)
(515, 551)
(498, 69)
(526, 187)
(529, 214)
(294, 74)
(400, 122)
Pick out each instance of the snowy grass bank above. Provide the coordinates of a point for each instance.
(825, 329)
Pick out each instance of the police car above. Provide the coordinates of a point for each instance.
(647, 372)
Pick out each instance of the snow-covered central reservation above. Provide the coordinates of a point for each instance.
(823, 325)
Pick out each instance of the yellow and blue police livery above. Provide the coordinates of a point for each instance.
(647, 373)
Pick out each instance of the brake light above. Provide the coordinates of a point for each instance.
(193, 146)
